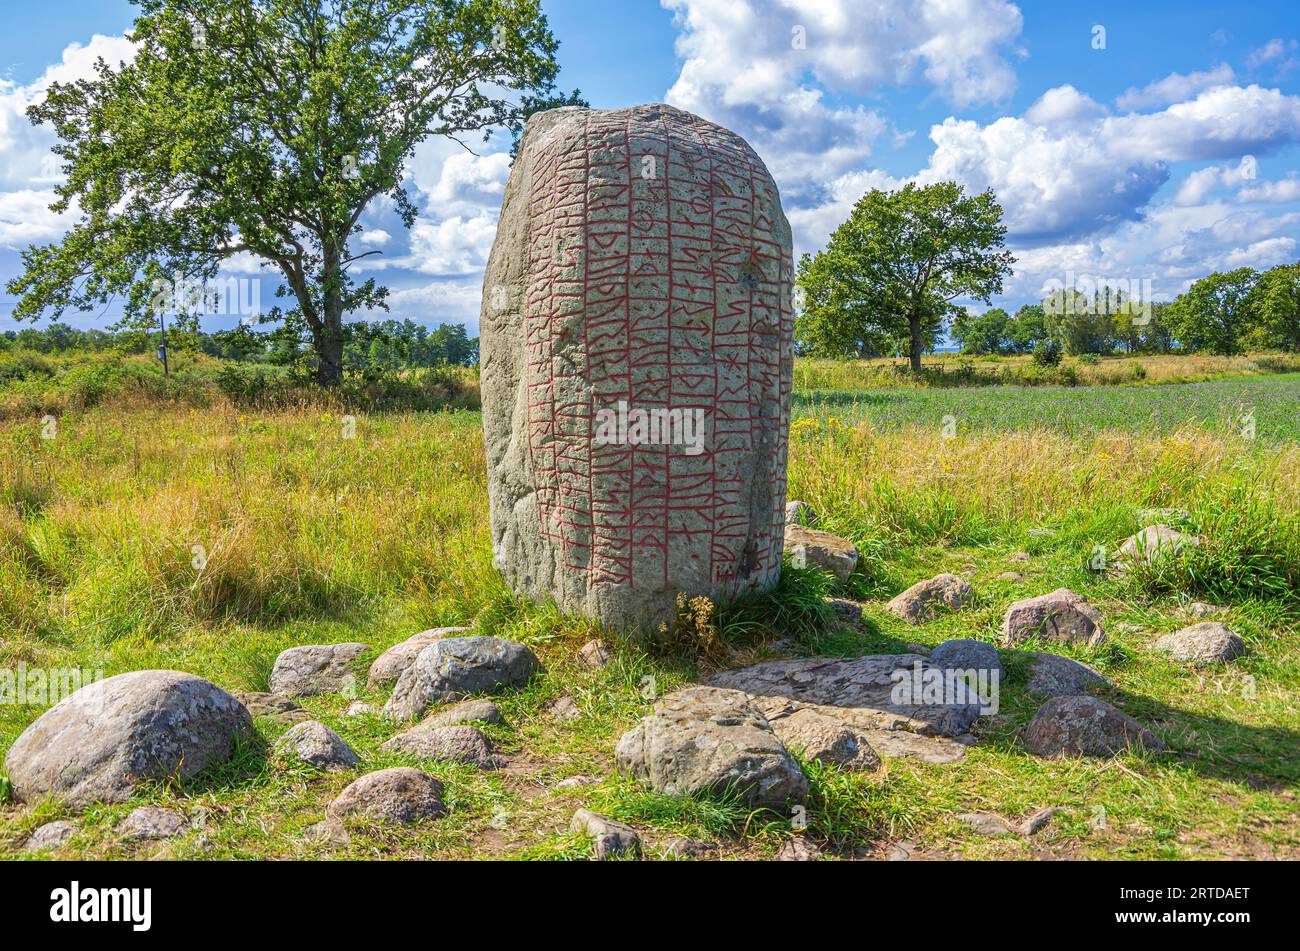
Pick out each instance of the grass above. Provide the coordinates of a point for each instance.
(310, 533)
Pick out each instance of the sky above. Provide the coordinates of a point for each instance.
(1146, 143)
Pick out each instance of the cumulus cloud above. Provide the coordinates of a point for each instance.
(1196, 186)
(1282, 190)
(1176, 87)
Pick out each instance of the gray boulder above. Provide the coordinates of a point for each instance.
(457, 744)
(707, 740)
(467, 711)
(595, 504)
(152, 822)
(315, 669)
(1051, 675)
(823, 738)
(456, 667)
(926, 599)
(100, 742)
(1151, 545)
(397, 796)
(317, 745)
(273, 707)
(389, 665)
(52, 835)
(797, 513)
(966, 654)
(817, 549)
(1061, 616)
(1209, 642)
(612, 839)
(1085, 726)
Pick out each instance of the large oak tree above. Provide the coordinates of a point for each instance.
(892, 271)
(267, 127)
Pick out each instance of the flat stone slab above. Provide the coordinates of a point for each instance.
(857, 691)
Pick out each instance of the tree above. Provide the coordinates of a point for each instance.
(894, 268)
(981, 334)
(1080, 323)
(267, 127)
(1274, 310)
(1212, 314)
(1027, 329)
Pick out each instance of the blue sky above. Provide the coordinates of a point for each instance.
(1169, 153)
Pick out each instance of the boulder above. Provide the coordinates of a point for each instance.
(1151, 545)
(397, 796)
(845, 610)
(467, 711)
(564, 708)
(1051, 675)
(100, 742)
(359, 708)
(52, 835)
(458, 744)
(985, 823)
(966, 654)
(1061, 616)
(453, 668)
(926, 599)
(816, 549)
(1200, 610)
(636, 450)
(612, 839)
(823, 738)
(1085, 726)
(1014, 577)
(317, 745)
(797, 513)
(315, 669)
(273, 707)
(900, 744)
(711, 741)
(595, 653)
(860, 691)
(1209, 642)
(152, 822)
(681, 847)
(389, 665)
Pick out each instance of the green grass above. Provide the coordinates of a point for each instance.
(315, 537)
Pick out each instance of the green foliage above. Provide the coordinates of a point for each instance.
(1047, 353)
(1212, 315)
(267, 127)
(1274, 307)
(888, 276)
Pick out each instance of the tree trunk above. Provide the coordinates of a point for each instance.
(329, 354)
(914, 323)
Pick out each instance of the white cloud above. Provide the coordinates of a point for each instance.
(1282, 190)
(25, 218)
(1271, 51)
(1175, 87)
(1196, 186)
(375, 237)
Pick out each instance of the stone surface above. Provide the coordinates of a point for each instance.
(985, 823)
(389, 665)
(1149, 546)
(816, 549)
(845, 609)
(399, 796)
(1051, 675)
(563, 708)
(607, 217)
(52, 835)
(359, 708)
(966, 654)
(708, 740)
(315, 669)
(1085, 726)
(467, 711)
(858, 691)
(1020, 557)
(797, 849)
(1061, 616)
(573, 782)
(272, 707)
(98, 743)
(822, 738)
(152, 822)
(1209, 642)
(682, 847)
(611, 839)
(453, 668)
(1014, 577)
(797, 513)
(459, 744)
(317, 745)
(1199, 609)
(900, 744)
(595, 653)
(925, 600)
(1035, 821)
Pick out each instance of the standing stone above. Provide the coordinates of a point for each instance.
(637, 351)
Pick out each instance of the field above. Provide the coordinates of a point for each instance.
(318, 528)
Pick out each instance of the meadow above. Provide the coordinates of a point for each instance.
(182, 525)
